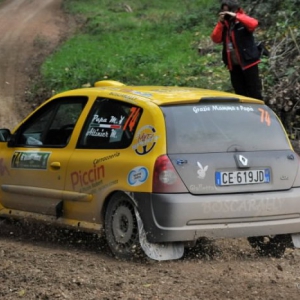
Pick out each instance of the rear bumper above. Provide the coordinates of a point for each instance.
(186, 217)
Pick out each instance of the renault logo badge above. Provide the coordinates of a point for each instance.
(242, 161)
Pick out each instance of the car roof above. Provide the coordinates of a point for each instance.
(160, 95)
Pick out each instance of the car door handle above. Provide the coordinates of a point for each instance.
(55, 165)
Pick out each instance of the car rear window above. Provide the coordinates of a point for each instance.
(222, 127)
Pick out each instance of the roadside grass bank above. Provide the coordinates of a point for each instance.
(138, 43)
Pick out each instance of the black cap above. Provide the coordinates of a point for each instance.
(233, 5)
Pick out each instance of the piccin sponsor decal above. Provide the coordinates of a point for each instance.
(87, 178)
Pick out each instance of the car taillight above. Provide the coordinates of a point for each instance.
(165, 177)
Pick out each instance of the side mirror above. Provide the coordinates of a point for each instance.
(5, 135)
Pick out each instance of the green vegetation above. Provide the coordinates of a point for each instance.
(140, 42)
(156, 42)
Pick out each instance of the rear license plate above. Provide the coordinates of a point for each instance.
(243, 177)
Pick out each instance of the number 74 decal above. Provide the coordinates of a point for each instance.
(264, 116)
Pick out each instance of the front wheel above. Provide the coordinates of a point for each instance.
(121, 228)
(270, 245)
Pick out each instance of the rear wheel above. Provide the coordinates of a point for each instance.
(121, 228)
(270, 245)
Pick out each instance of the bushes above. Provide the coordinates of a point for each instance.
(279, 21)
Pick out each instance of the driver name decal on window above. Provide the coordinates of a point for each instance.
(30, 160)
(104, 127)
(110, 125)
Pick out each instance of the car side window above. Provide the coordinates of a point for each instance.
(52, 125)
(110, 125)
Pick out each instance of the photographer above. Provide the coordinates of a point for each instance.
(240, 54)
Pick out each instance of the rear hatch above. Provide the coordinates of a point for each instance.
(229, 147)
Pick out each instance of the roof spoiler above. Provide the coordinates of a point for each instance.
(219, 99)
(102, 83)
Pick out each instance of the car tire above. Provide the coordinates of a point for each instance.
(121, 228)
(273, 246)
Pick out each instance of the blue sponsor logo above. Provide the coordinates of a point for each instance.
(137, 176)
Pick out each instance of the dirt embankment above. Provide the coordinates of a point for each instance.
(29, 31)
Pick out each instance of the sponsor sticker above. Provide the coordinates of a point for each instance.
(30, 160)
(146, 139)
(137, 176)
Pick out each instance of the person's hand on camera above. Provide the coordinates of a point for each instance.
(221, 17)
(226, 14)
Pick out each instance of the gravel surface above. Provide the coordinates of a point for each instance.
(40, 262)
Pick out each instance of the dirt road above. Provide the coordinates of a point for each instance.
(37, 262)
(29, 30)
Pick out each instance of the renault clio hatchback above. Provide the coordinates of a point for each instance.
(154, 168)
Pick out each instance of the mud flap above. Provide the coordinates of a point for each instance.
(296, 239)
(161, 251)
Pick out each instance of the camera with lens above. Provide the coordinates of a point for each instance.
(227, 17)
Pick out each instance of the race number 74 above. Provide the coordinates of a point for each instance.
(264, 117)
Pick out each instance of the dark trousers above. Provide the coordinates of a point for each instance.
(246, 82)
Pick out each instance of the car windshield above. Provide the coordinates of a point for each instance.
(223, 127)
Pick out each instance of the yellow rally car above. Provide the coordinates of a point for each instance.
(154, 168)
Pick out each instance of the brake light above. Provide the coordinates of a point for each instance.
(165, 177)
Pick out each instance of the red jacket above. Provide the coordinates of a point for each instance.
(240, 34)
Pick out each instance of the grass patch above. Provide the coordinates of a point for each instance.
(139, 43)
